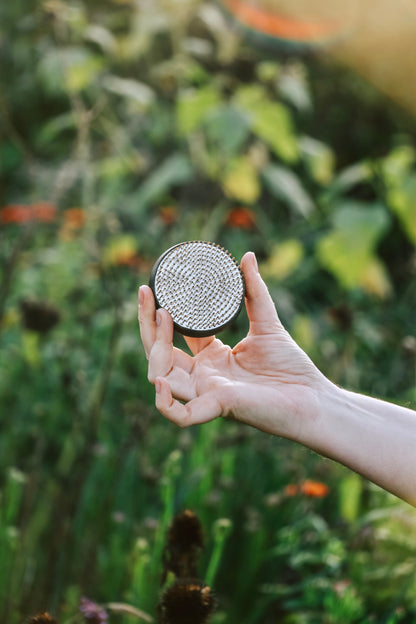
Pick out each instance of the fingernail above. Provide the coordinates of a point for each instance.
(158, 318)
(158, 385)
(141, 295)
(253, 255)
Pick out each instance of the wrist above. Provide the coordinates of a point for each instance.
(372, 437)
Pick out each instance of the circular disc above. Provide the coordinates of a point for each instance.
(200, 284)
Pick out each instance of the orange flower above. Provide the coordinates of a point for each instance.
(279, 25)
(315, 489)
(291, 489)
(168, 214)
(19, 213)
(242, 218)
(43, 211)
(74, 218)
(126, 258)
(15, 213)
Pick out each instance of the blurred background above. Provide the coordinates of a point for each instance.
(127, 126)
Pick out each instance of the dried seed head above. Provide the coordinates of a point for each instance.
(184, 542)
(188, 601)
(39, 316)
(185, 532)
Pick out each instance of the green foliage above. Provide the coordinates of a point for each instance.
(125, 128)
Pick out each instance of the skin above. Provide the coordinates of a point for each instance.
(268, 382)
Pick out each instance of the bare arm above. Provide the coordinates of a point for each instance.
(375, 438)
(267, 381)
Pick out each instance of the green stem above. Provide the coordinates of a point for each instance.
(222, 529)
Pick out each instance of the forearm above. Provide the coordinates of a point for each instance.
(375, 438)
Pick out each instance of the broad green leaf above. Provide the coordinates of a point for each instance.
(115, 167)
(270, 120)
(80, 73)
(400, 184)
(349, 177)
(319, 159)
(30, 348)
(9, 155)
(55, 64)
(241, 181)
(303, 332)
(193, 106)
(348, 249)
(284, 259)
(375, 280)
(55, 126)
(273, 124)
(176, 169)
(402, 200)
(102, 37)
(267, 71)
(293, 88)
(398, 163)
(349, 491)
(227, 128)
(249, 97)
(285, 185)
(127, 87)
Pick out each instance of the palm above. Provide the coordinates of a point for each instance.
(264, 380)
(262, 367)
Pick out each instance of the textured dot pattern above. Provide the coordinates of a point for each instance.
(200, 284)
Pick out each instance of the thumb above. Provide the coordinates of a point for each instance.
(260, 307)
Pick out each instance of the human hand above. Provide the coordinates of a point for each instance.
(266, 380)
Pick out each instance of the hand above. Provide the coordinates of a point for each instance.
(266, 380)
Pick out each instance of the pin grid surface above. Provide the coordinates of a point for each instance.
(200, 284)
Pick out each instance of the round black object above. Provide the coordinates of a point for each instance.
(200, 284)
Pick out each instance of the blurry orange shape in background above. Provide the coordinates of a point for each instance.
(74, 218)
(168, 214)
(278, 24)
(44, 211)
(292, 489)
(22, 213)
(315, 489)
(242, 218)
(376, 38)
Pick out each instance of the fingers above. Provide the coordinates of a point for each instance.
(148, 327)
(164, 358)
(261, 310)
(147, 317)
(161, 353)
(200, 410)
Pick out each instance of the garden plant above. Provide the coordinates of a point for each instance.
(127, 126)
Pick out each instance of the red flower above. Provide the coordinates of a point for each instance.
(242, 218)
(15, 213)
(43, 211)
(20, 213)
